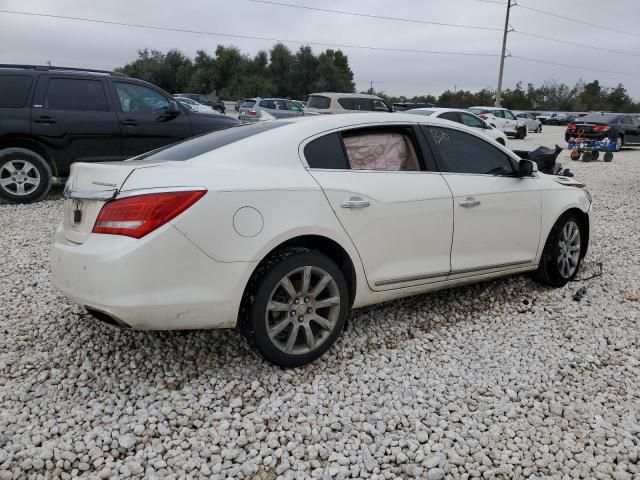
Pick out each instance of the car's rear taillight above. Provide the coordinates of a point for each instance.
(252, 112)
(601, 128)
(571, 126)
(483, 116)
(139, 215)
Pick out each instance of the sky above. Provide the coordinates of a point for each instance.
(36, 40)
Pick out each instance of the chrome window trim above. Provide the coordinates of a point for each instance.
(147, 191)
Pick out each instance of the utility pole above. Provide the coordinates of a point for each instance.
(371, 88)
(504, 48)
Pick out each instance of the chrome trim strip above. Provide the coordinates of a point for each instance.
(416, 278)
(147, 191)
(413, 278)
(90, 194)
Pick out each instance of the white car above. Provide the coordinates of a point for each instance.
(197, 107)
(464, 117)
(503, 119)
(280, 228)
(532, 123)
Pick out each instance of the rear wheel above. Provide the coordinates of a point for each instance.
(608, 157)
(561, 256)
(295, 307)
(594, 155)
(619, 142)
(24, 175)
(586, 157)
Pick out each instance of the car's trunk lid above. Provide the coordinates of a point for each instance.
(89, 187)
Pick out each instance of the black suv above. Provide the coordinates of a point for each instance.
(51, 117)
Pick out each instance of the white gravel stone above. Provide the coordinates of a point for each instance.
(497, 380)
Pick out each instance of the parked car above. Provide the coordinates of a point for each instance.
(51, 117)
(253, 111)
(532, 123)
(503, 119)
(280, 228)
(619, 128)
(217, 105)
(300, 103)
(557, 118)
(195, 106)
(466, 118)
(328, 102)
(403, 106)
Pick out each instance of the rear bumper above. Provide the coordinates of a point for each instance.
(160, 282)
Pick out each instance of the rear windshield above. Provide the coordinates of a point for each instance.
(208, 142)
(600, 118)
(318, 101)
(14, 90)
(478, 111)
(248, 104)
(420, 112)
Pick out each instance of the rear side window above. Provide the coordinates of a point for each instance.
(460, 152)
(347, 103)
(326, 152)
(14, 90)
(196, 146)
(319, 102)
(453, 116)
(363, 104)
(391, 150)
(75, 94)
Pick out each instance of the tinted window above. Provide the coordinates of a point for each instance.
(471, 120)
(140, 99)
(75, 94)
(453, 116)
(267, 104)
(318, 101)
(626, 120)
(248, 104)
(14, 90)
(326, 152)
(391, 150)
(498, 113)
(195, 146)
(346, 103)
(461, 152)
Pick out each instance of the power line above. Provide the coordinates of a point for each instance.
(578, 67)
(582, 22)
(535, 35)
(250, 37)
(380, 17)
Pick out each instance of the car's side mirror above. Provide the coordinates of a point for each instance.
(526, 168)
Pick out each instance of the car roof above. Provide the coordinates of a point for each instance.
(489, 108)
(346, 95)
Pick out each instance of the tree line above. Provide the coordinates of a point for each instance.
(551, 96)
(229, 74)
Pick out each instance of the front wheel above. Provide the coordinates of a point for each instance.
(619, 142)
(561, 256)
(539, 129)
(295, 307)
(24, 175)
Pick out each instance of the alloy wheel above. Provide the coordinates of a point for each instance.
(19, 177)
(569, 249)
(302, 310)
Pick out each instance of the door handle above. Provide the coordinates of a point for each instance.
(355, 204)
(469, 202)
(129, 122)
(44, 119)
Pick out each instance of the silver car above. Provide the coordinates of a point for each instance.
(532, 123)
(267, 109)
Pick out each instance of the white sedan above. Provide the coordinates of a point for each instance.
(280, 228)
(466, 118)
(197, 107)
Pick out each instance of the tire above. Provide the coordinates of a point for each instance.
(25, 176)
(294, 310)
(553, 271)
(608, 156)
(619, 142)
(594, 155)
(539, 129)
(586, 157)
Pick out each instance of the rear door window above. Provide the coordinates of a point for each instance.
(75, 94)
(498, 113)
(453, 116)
(347, 103)
(319, 102)
(14, 90)
(471, 120)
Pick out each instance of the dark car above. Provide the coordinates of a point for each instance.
(217, 105)
(401, 107)
(619, 128)
(51, 117)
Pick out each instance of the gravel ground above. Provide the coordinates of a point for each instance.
(499, 380)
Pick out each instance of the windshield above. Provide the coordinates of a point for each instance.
(208, 142)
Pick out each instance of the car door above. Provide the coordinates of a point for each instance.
(510, 121)
(145, 123)
(496, 214)
(73, 118)
(398, 212)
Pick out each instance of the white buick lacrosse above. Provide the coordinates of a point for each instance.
(280, 228)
